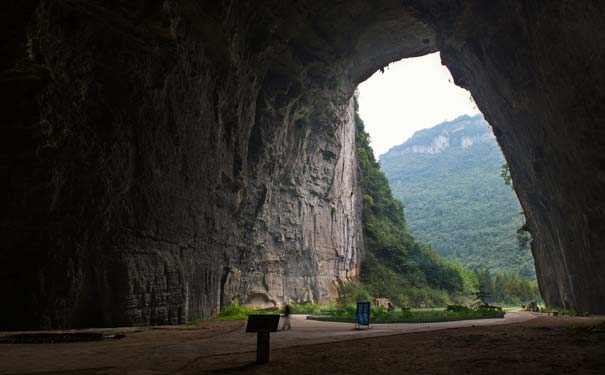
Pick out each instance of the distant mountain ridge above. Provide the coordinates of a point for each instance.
(448, 178)
(464, 132)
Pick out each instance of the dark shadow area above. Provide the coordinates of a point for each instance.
(243, 368)
(58, 338)
(80, 371)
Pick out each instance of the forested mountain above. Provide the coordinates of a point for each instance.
(449, 179)
(408, 271)
(396, 265)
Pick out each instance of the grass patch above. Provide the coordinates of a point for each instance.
(381, 315)
(569, 312)
(237, 312)
(306, 308)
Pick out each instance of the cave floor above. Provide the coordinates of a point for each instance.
(521, 343)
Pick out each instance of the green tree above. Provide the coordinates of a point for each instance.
(505, 173)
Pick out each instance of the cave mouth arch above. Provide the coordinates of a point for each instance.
(407, 96)
(529, 93)
(444, 165)
(150, 144)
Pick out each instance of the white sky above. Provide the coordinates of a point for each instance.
(410, 95)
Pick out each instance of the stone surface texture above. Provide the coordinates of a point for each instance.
(165, 158)
(535, 71)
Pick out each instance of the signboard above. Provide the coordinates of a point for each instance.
(362, 314)
(262, 323)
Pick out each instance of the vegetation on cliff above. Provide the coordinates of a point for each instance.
(405, 270)
(396, 265)
(449, 178)
(506, 288)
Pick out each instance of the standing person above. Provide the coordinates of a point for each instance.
(286, 325)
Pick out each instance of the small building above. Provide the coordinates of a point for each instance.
(383, 302)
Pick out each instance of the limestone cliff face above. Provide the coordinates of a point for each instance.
(462, 132)
(302, 217)
(167, 157)
(157, 171)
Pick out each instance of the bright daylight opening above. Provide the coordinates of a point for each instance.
(443, 163)
(411, 94)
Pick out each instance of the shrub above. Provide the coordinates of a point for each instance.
(492, 311)
(379, 314)
(560, 311)
(406, 315)
(349, 293)
(457, 308)
(237, 312)
(305, 308)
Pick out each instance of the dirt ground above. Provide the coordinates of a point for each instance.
(520, 344)
(546, 345)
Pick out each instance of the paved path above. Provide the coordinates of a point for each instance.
(173, 350)
(315, 332)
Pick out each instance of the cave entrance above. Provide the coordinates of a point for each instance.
(443, 162)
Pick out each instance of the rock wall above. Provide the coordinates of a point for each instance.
(302, 214)
(535, 71)
(148, 181)
(167, 157)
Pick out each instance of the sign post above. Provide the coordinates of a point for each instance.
(362, 314)
(263, 346)
(263, 325)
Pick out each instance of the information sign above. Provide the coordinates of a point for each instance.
(263, 325)
(362, 314)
